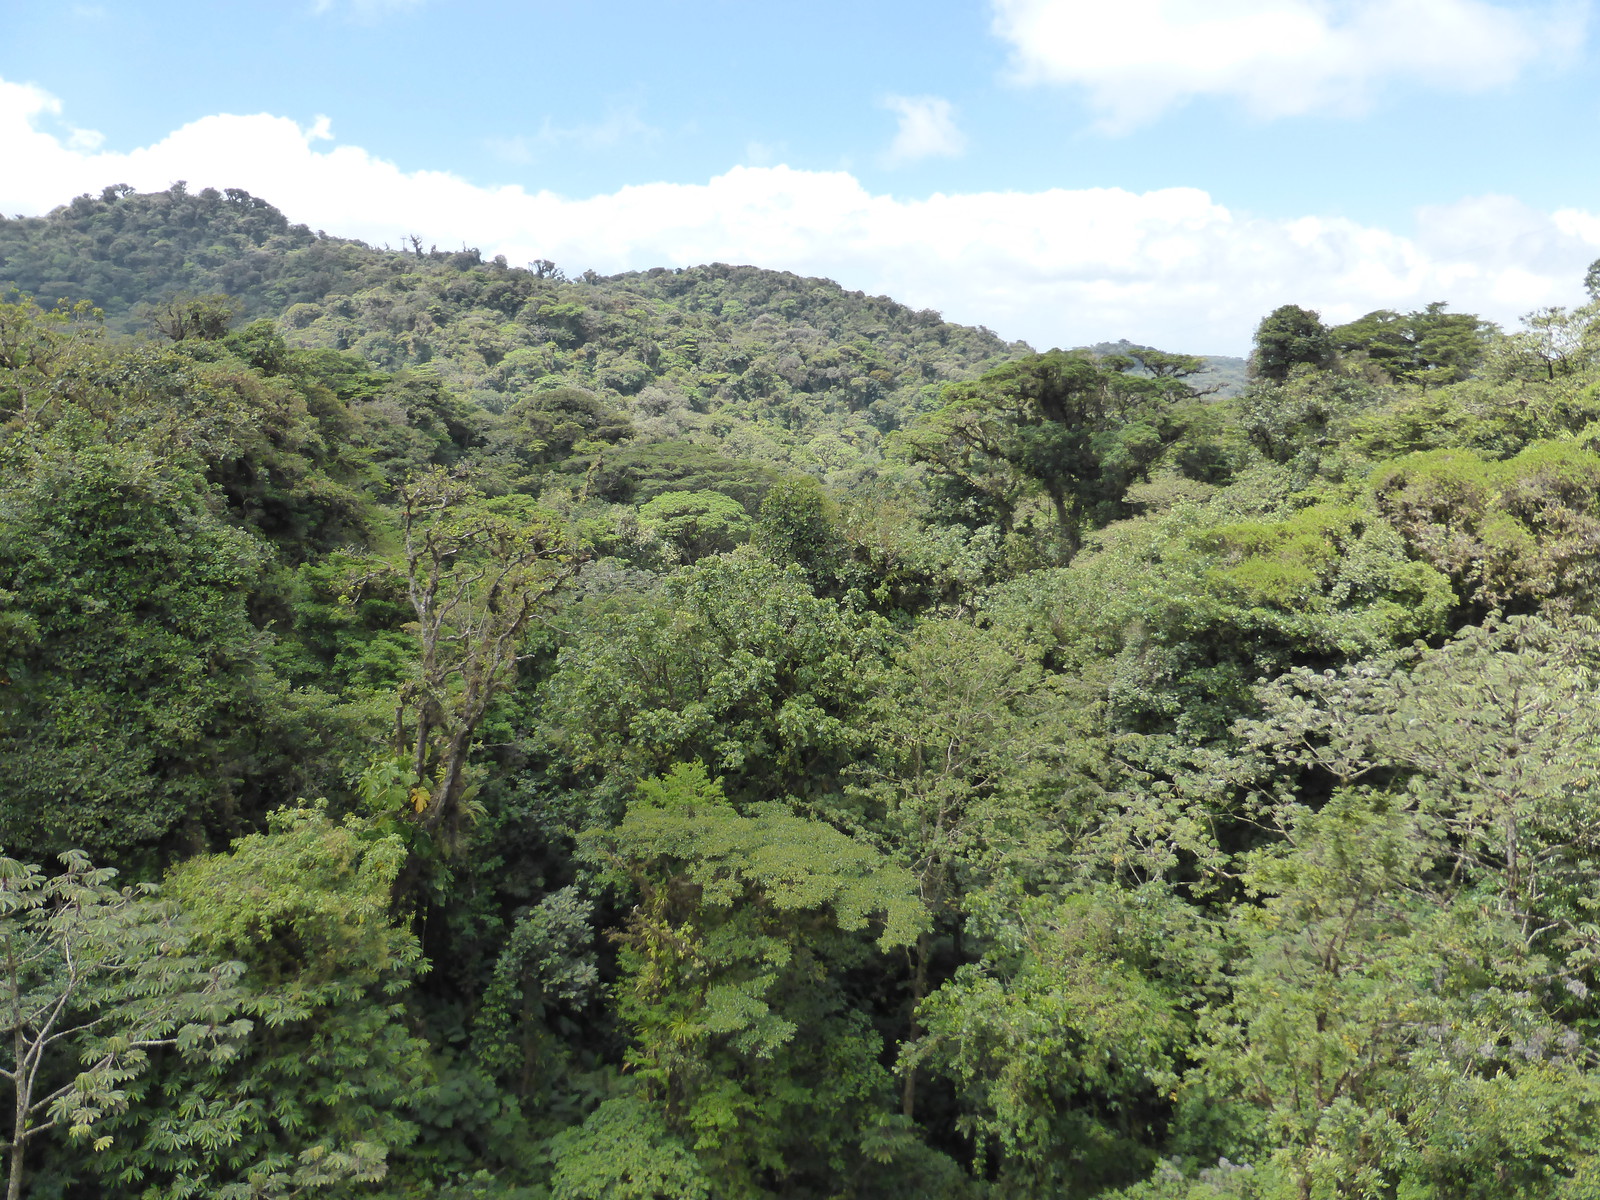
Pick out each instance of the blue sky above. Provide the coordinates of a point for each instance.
(1063, 171)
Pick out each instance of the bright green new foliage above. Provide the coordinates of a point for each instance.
(317, 1100)
(743, 1041)
(95, 982)
(738, 664)
(696, 523)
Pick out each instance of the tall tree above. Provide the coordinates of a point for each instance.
(1429, 346)
(93, 980)
(1063, 425)
(133, 662)
(972, 748)
(736, 663)
(476, 572)
(1289, 336)
(322, 1094)
(732, 964)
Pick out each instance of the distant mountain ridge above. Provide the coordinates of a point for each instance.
(1224, 375)
(767, 365)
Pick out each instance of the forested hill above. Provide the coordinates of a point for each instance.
(704, 735)
(792, 355)
(123, 248)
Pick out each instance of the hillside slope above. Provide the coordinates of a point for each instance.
(796, 358)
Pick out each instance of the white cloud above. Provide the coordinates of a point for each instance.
(1171, 267)
(24, 107)
(619, 126)
(927, 129)
(1138, 58)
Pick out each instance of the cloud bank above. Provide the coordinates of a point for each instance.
(1060, 267)
(1279, 58)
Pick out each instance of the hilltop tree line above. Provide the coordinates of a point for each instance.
(707, 734)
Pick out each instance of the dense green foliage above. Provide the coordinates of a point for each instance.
(705, 734)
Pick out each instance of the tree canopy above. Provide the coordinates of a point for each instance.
(479, 734)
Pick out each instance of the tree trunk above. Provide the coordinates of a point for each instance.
(19, 1137)
(451, 778)
(919, 993)
(1068, 519)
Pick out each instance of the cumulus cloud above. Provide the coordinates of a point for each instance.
(1059, 267)
(927, 129)
(1279, 58)
(25, 107)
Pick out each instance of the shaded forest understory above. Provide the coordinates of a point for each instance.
(705, 734)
